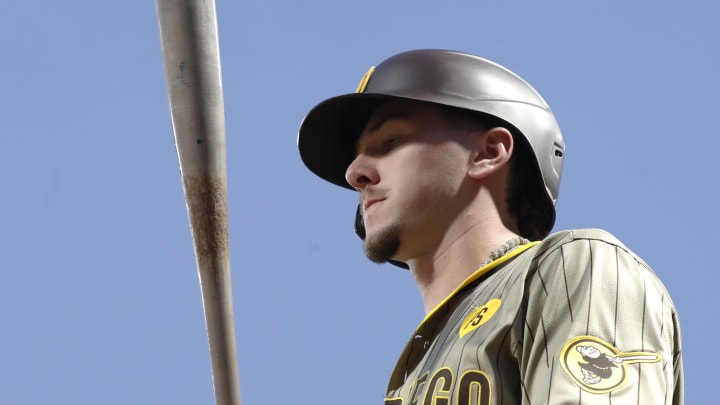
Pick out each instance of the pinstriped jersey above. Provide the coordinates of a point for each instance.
(574, 319)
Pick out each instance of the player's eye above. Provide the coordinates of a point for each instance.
(390, 143)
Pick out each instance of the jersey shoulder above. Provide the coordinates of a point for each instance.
(566, 236)
(585, 292)
(581, 253)
(568, 239)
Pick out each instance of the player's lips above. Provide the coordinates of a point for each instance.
(370, 202)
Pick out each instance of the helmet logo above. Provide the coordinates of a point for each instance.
(365, 80)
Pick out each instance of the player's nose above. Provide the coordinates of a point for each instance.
(361, 172)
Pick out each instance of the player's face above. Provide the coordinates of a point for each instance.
(409, 169)
(589, 351)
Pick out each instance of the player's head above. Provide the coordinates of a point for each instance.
(470, 89)
(589, 351)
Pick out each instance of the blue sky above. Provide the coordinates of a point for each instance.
(99, 296)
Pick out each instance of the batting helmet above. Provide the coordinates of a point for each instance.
(328, 133)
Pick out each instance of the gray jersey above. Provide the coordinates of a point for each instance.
(574, 319)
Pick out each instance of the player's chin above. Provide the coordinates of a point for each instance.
(383, 244)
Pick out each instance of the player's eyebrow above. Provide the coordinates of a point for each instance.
(391, 115)
(376, 124)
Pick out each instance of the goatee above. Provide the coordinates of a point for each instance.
(382, 247)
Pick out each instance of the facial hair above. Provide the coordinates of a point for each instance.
(384, 245)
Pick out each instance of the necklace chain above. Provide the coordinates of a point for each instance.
(505, 248)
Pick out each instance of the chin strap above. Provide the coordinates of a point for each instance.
(359, 224)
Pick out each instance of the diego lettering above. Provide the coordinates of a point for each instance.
(472, 388)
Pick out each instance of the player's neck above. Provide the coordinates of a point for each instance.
(441, 273)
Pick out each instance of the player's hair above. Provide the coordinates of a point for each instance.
(525, 192)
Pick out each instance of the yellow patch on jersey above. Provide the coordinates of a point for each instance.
(365, 80)
(479, 316)
(598, 367)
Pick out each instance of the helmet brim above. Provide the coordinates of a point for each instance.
(328, 134)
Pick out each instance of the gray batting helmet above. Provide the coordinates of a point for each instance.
(329, 131)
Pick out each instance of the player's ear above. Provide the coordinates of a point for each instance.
(492, 151)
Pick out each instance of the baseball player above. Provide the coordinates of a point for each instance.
(457, 162)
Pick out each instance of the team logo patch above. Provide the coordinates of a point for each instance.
(365, 80)
(598, 367)
(479, 316)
